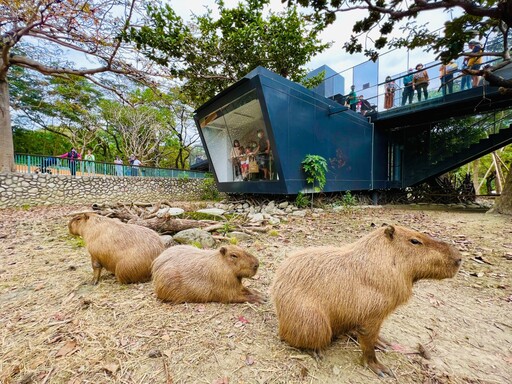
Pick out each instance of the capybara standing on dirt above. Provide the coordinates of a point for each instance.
(187, 274)
(127, 250)
(323, 292)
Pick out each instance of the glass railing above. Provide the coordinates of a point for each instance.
(26, 163)
(370, 80)
(437, 90)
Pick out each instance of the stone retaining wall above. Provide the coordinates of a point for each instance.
(18, 189)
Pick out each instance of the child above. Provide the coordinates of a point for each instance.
(244, 163)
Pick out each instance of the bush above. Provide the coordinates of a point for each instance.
(209, 189)
(301, 201)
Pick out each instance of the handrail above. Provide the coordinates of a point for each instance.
(28, 163)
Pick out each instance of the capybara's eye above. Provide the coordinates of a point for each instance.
(234, 256)
(415, 241)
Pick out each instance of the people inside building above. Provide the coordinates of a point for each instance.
(236, 153)
(408, 91)
(263, 152)
(421, 82)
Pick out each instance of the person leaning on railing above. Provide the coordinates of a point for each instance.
(73, 156)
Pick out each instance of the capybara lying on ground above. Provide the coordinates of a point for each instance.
(187, 274)
(323, 292)
(127, 250)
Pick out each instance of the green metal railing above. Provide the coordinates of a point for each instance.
(26, 163)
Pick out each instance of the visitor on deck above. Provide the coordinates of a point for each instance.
(446, 72)
(474, 63)
(421, 81)
(390, 88)
(465, 82)
(352, 98)
(408, 91)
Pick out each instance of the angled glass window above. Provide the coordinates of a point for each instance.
(237, 141)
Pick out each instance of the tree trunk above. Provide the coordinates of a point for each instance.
(504, 202)
(475, 171)
(6, 143)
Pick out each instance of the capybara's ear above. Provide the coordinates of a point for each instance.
(223, 251)
(390, 231)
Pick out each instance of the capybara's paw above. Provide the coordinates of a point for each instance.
(382, 344)
(380, 369)
(255, 298)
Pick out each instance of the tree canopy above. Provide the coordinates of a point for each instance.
(477, 20)
(42, 35)
(210, 53)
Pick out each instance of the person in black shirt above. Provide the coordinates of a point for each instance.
(263, 152)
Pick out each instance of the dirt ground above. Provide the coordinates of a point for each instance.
(57, 328)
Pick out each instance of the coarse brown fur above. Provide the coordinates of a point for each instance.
(187, 274)
(127, 250)
(323, 292)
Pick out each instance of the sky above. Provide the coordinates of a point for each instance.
(338, 33)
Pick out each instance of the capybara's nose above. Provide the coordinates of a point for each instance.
(458, 262)
(256, 265)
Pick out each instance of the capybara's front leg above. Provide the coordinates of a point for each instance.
(253, 296)
(368, 338)
(96, 268)
(245, 295)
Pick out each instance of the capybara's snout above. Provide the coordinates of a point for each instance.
(455, 259)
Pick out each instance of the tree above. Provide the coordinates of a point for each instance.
(157, 127)
(211, 54)
(479, 19)
(35, 34)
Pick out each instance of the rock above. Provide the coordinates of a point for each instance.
(167, 240)
(283, 205)
(212, 211)
(299, 213)
(256, 218)
(195, 236)
(241, 236)
(274, 221)
(175, 211)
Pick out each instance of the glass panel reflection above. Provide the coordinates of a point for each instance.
(237, 140)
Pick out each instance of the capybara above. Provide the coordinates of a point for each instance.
(127, 250)
(320, 293)
(184, 273)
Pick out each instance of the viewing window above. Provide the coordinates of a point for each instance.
(237, 141)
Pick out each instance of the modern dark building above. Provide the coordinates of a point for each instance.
(392, 149)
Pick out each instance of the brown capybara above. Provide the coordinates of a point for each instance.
(127, 250)
(184, 273)
(323, 292)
